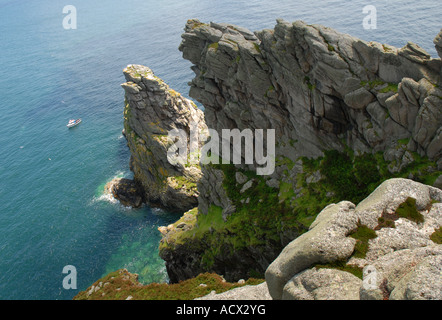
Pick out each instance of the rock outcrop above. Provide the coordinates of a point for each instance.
(347, 113)
(256, 292)
(152, 110)
(400, 259)
(127, 191)
(318, 88)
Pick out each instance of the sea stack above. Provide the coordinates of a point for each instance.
(152, 110)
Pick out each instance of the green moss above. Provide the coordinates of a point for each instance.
(257, 48)
(387, 48)
(186, 184)
(330, 47)
(391, 87)
(436, 236)
(372, 84)
(198, 25)
(386, 222)
(309, 84)
(214, 45)
(409, 211)
(362, 235)
(343, 266)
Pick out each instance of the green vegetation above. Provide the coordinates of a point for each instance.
(214, 45)
(263, 215)
(198, 24)
(343, 266)
(330, 47)
(184, 183)
(353, 177)
(119, 285)
(386, 221)
(409, 211)
(372, 84)
(362, 235)
(309, 84)
(436, 236)
(391, 87)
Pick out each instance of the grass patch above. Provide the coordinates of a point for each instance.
(343, 266)
(391, 87)
(409, 211)
(214, 46)
(372, 84)
(120, 284)
(184, 183)
(309, 84)
(436, 236)
(363, 234)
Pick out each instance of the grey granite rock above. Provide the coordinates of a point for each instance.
(322, 284)
(404, 259)
(438, 44)
(152, 110)
(326, 241)
(258, 292)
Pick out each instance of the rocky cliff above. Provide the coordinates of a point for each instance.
(348, 114)
(152, 110)
(388, 247)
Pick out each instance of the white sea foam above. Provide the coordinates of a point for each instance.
(104, 191)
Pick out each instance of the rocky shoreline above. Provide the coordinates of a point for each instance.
(356, 122)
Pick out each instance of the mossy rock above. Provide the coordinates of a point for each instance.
(436, 236)
(409, 211)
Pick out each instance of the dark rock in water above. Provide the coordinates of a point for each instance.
(127, 192)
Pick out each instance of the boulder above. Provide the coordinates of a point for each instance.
(128, 192)
(325, 242)
(403, 258)
(258, 292)
(322, 284)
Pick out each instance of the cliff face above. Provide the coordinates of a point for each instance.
(152, 110)
(319, 89)
(348, 114)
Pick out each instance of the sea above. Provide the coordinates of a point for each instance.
(58, 64)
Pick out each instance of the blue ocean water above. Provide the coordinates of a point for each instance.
(53, 211)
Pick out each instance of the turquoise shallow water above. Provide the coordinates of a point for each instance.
(52, 208)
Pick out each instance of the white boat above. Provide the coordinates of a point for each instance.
(73, 123)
